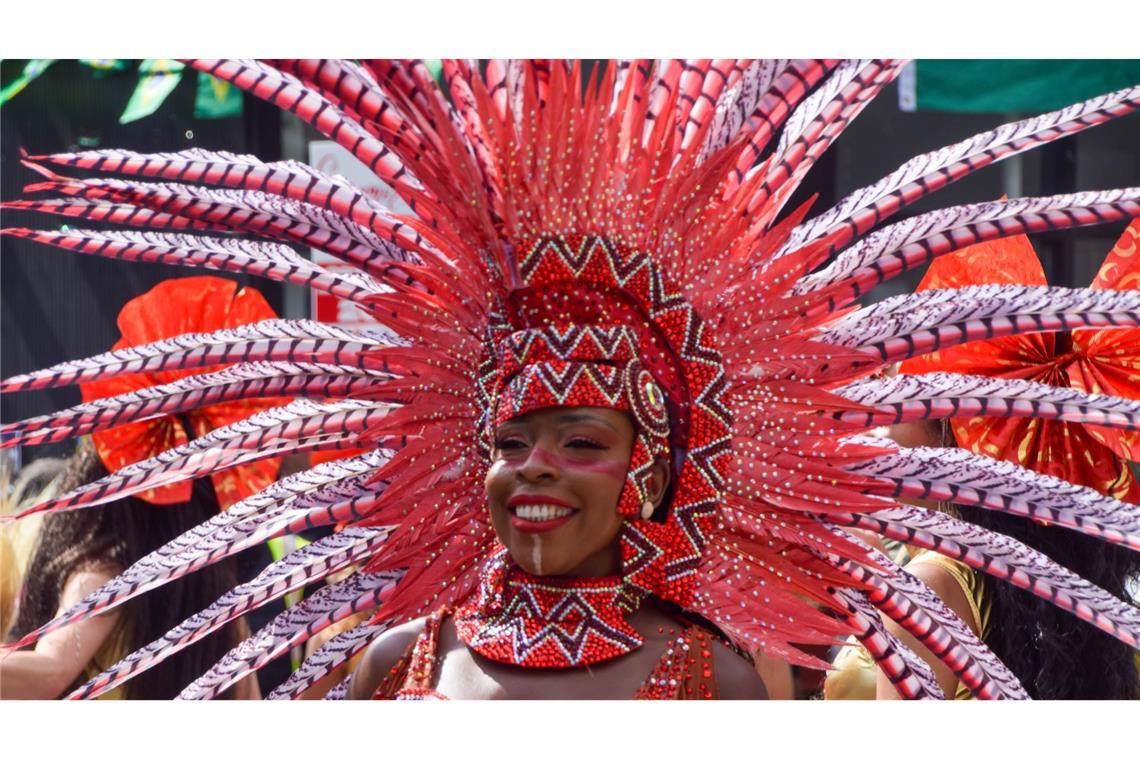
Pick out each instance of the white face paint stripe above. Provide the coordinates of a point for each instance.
(536, 556)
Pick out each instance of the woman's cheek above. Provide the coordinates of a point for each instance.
(606, 467)
(495, 475)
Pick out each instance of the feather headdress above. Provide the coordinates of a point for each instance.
(667, 179)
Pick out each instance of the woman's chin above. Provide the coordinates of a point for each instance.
(535, 559)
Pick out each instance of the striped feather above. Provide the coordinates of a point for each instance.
(907, 398)
(962, 477)
(458, 75)
(295, 570)
(738, 102)
(258, 213)
(289, 179)
(822, 96)
(111, 213)
(909, 673)
(918, 610)
(268, 340)
(910, 325)
(296, 625)
(256, 380)
(301, 425)
(269, 260)
(288, 92)
(321, 490)
(922, 175)
(1008, 560)
(777, 103)
(700, 90)
(339, 692)
(331, 655)
(663, 91)
(1004, 215)
(788, 167)
(353, 90)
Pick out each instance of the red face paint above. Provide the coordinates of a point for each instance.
(542, 457)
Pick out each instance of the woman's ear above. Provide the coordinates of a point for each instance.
(658, 481)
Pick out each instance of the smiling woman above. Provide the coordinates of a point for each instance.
(576, 489)
(553, 489)
(616, 243)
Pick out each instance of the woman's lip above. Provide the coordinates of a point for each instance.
(529, 526)
(524, 498)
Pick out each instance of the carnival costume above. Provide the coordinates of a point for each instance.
(609, 240)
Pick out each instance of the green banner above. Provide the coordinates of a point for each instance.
(157, 78)
(32, 69)
(1011, 85)
(216, 99)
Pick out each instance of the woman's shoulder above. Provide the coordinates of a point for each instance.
(953, 583)
(736, 675)
(382, 655)
(86, 578)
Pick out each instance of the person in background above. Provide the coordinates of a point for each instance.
(76, 553)
(81, 549)
(1053, 653)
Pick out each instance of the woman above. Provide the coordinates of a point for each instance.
(552, 490)
(576, 243)
(1055, 656)
(79, 551)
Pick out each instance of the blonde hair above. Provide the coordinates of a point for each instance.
(35, 483)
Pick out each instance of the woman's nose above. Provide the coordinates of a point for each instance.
(540, 463)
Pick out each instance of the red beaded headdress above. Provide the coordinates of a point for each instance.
(644, 203)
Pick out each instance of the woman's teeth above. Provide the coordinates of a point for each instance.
(541, 512)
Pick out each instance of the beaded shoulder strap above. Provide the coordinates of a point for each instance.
(686, 669)
(413, 675)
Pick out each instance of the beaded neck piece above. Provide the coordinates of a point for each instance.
(553, 622)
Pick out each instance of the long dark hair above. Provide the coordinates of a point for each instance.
(1053, 653)
(118, 534)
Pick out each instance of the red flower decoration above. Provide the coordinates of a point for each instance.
(173, 307)
(1093, 360)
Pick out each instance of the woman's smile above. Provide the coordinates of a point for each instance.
(538, 513)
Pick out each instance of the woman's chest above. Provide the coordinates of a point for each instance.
(464, 675)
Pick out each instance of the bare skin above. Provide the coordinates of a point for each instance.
(58, 658)
(464, 674)
(575, 457)
(45, 671)
(948, 590)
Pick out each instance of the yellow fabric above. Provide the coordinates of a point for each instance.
(970, 583)
(855, 672)
(114, 649)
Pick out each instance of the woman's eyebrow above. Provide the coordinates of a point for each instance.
(572, 417)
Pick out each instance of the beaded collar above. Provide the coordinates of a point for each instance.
(548, 622)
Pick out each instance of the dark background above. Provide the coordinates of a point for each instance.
(56, 305)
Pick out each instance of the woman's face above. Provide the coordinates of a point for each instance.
(553, 487)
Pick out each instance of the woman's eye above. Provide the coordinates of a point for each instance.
(585, 443)
(509, 444)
